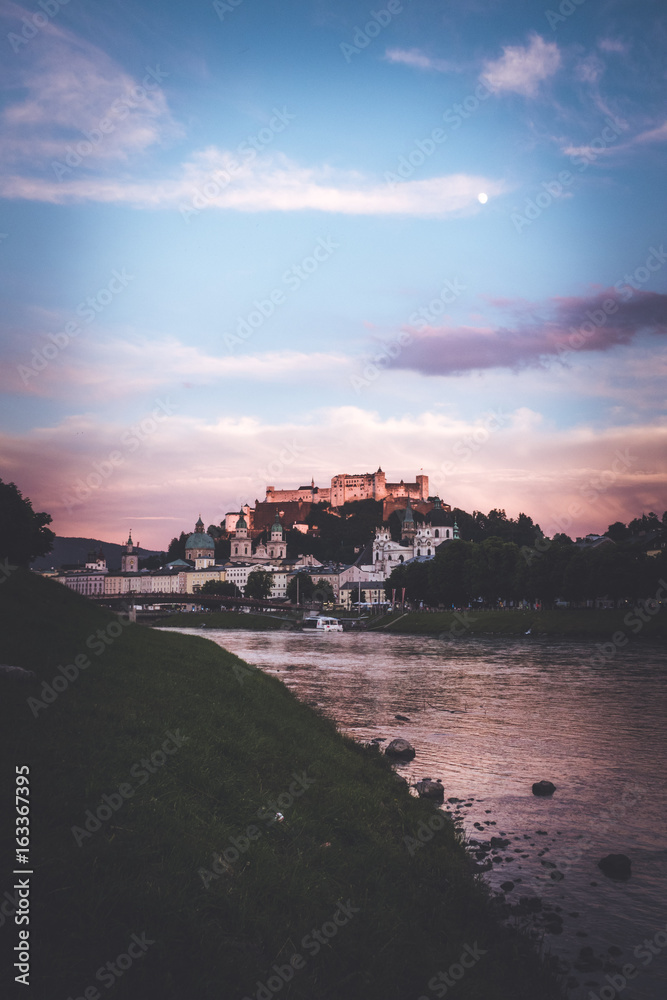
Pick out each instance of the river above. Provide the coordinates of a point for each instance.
(491, 716)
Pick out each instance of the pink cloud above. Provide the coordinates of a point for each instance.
(166, 478)
(521, 69)
(538, 333)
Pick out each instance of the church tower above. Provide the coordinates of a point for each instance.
(277, 544)
(241, 544)
(129, 561)
(409, 530)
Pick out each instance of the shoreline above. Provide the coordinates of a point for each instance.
(613, 625)
(181, 794)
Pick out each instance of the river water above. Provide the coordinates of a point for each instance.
(491, 716)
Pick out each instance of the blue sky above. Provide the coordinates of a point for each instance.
(296, 240)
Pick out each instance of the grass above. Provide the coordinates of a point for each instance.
(561, 622)
(223, 619)
(246, 736)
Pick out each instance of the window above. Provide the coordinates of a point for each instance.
(437, 533)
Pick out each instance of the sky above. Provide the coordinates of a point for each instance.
(247, 244)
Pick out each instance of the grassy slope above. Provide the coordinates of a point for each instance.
(222, 619)
(597, 623)
(247, 735)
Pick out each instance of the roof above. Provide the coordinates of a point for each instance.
(178, 564)
(199, 540)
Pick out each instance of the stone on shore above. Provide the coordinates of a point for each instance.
(616, 866)
(400, 749)
(543, 788)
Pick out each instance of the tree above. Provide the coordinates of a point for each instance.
(324, 592)
(259, 585)
(618, 532)
(447, 574)
(23, 533)
(153, 562)
(304, 583)
(176, 548)
(226, 589)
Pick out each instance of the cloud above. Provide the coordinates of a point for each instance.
(556, 329)
(521, 69)
(419, 60)
(117, 368)
(214, 178)
(166, 470)
(649, 137)
(613, 45)
(68, 89)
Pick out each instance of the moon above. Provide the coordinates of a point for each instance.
(482, 198)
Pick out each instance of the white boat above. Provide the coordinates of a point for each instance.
(323, 624)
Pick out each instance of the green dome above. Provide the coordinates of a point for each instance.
(200, 540)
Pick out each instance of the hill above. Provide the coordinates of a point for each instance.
(198, 832)
(72, 551)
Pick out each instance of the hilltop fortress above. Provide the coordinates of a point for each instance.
(344, 487)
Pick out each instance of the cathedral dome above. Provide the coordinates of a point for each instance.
(199, 539)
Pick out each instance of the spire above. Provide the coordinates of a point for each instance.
(456, 530)
(129, 538)
(407, 517)
(199, 526)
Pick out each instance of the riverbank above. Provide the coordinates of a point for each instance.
(598, 623)
(226, 619)
(188, 802)
(575, 622)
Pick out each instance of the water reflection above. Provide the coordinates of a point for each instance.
(490, 717)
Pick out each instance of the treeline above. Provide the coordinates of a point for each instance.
(495, 571)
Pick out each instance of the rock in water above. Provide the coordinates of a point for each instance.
(401, 749)
(543, 788)
(616, 866)
(430, 790)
